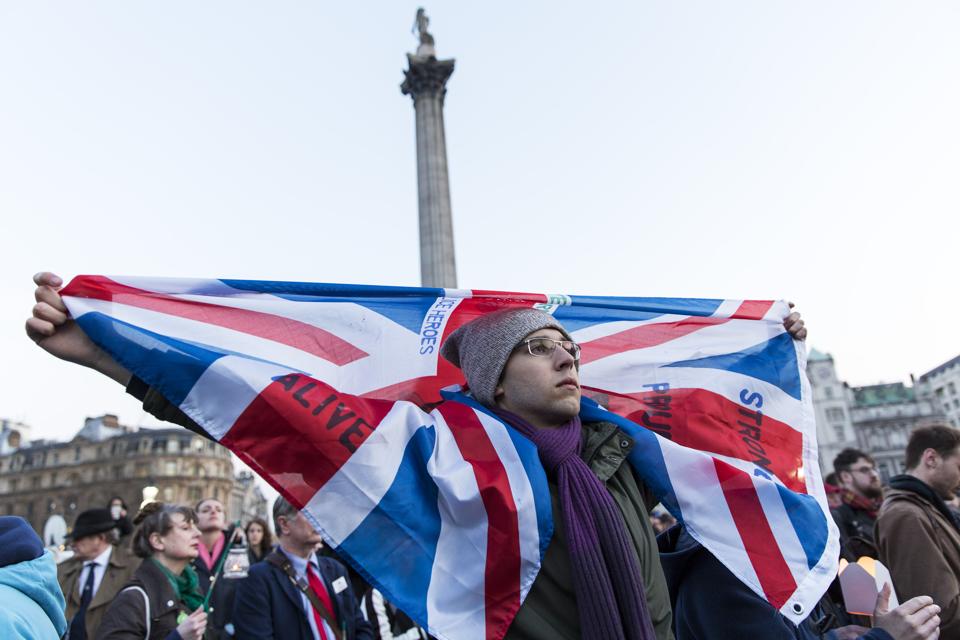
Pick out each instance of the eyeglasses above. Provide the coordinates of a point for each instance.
(865, 470)
(546, 347)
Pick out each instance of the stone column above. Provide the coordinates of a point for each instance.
(425, 81)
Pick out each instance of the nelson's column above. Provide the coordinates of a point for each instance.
(425, 81)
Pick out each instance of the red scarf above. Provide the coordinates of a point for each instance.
(871, 506)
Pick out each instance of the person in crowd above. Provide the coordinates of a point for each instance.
(388, 622)
(215, 540)
(917, 535)
(833, 490)
(861, 497)
(92, 577)
(710, 603)
(163, 600)
(118, 511)
(522, 365)
(259, 539)
(294, 594)
(31, 603)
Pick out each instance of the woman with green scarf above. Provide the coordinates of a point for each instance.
(163, 600)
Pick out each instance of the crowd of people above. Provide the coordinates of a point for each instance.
(605, 575)
(160, 576)
(912, 527)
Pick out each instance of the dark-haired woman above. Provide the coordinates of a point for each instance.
(162, 601)
(259, 540)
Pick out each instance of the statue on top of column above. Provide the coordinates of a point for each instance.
(426, 48)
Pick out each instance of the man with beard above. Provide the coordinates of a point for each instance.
(861, 496)
(917, 535)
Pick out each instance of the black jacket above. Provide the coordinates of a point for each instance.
(268, 605)
(224, 591)
(710, 603)
(126, 617)
(856, 532)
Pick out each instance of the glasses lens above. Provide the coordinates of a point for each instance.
(541, 346)
(572, 348)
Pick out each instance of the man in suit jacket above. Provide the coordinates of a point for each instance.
(95, 574)
(269, 603)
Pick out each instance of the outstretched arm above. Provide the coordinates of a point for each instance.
(51, 327)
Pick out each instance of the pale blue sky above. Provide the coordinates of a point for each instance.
(808, 151)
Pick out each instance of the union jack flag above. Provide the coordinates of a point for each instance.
(337, 396)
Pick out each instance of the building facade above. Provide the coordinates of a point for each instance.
(42, 479)
(832, 400)
(876, 419)
(884, 415)
(941, 385)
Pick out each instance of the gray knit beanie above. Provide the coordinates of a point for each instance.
(482, 347)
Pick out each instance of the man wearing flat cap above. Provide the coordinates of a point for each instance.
(95, 573)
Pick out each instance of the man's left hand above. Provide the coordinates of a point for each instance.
(793, 323)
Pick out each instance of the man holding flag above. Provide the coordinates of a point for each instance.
(599, 576)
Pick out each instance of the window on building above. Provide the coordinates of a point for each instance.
(838, 432)
(196, 494)
(952, 388)
(142, 470)
(835, 414)
(159, 445)
(168, 494)
(171, 468)
(35, 482)
(956, 403)
(76, 454)
(828, 392)
(185, 444)
(946, 406)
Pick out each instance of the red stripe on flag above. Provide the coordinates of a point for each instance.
(707, 421)
(752, 309)
(502, 571)
(647, 335)
(651, 335)
(299, 431)
(761, 545)
(293, 333)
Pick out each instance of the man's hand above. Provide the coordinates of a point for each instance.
(794, 325)
(52, 329)
(193, 627)
(915, 619)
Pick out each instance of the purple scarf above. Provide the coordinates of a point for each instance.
(609, 588)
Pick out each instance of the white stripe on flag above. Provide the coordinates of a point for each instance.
(456, 596)
(701, 500)
(225, 390)
(522, 497)
(348, 497)
(786, 535)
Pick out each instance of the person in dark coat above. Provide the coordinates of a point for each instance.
(162, 601)
(861, 495)
(271, 606)
(710, 603)
(215, 540)
(95, 574)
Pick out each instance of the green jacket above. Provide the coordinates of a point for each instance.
(550, 610)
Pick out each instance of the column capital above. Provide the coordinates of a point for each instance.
(426, 76)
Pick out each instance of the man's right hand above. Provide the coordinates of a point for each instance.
(52, 329)
(193, 627)
(915, 619)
